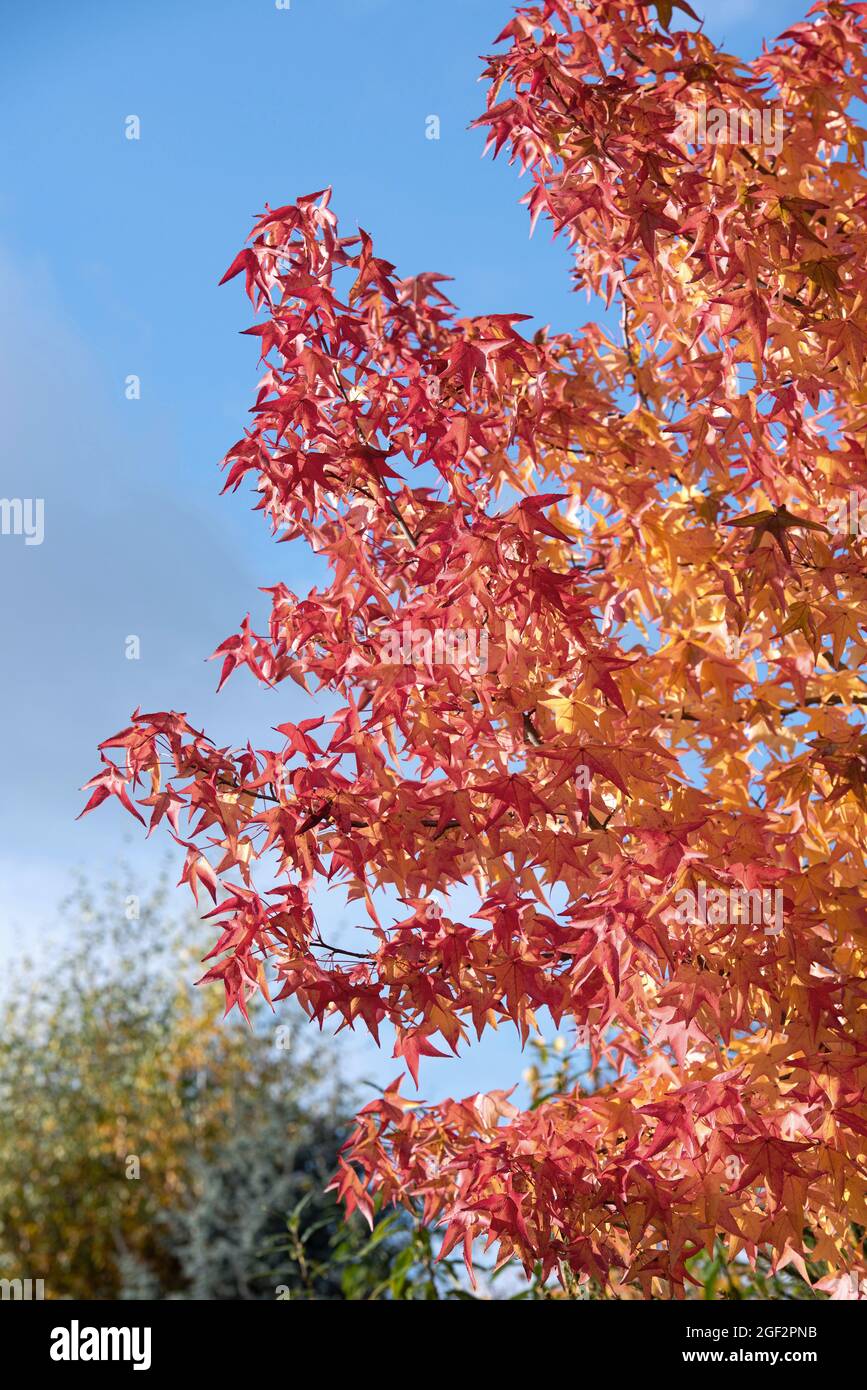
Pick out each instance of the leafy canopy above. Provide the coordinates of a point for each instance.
(637, 520)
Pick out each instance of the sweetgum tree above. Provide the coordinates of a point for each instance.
(641, 528)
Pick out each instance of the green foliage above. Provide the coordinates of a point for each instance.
(151, 1149)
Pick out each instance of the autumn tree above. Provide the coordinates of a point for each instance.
(625, 702)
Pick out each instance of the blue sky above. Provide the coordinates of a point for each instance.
(110, 253)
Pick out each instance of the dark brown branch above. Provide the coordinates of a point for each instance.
(341, 950)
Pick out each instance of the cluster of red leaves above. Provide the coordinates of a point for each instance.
(441, 467)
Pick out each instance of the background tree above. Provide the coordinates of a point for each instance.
(149, 1150)
(640, 526)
